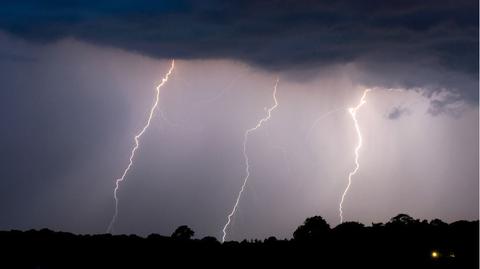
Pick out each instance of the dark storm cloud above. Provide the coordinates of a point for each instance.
(440, 36)
(449, 105)
(11, 57)
(397, 112)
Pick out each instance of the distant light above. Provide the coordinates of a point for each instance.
(435, 254)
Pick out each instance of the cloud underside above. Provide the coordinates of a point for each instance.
(431, 44)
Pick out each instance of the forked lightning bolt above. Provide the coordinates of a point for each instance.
(137, 144)
(245, 156)
(353, 113)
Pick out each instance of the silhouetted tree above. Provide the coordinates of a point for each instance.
(402, 219)
(210, 240)
(270, 240)
(183, 232)
(313, 228)
(438, 223)
(349, 227)
(402, 243)
(154, 236)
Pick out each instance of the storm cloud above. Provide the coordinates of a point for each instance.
(397, 112)
(431, 45)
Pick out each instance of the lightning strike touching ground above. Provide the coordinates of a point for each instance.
(137, 144)
(353, 113)
(245, 155)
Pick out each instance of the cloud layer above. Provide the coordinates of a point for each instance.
(428, 44)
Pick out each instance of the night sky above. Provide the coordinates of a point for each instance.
(78, 79)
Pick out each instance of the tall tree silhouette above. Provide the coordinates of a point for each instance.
(314, 228)
(183, 232)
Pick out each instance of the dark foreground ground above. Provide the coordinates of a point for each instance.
(401, 243)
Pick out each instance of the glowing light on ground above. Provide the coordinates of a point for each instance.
(137, 144)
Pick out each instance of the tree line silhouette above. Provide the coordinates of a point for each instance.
(403, 242)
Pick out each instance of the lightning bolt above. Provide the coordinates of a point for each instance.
(137, 144)
(353, 113)
(245, 156)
